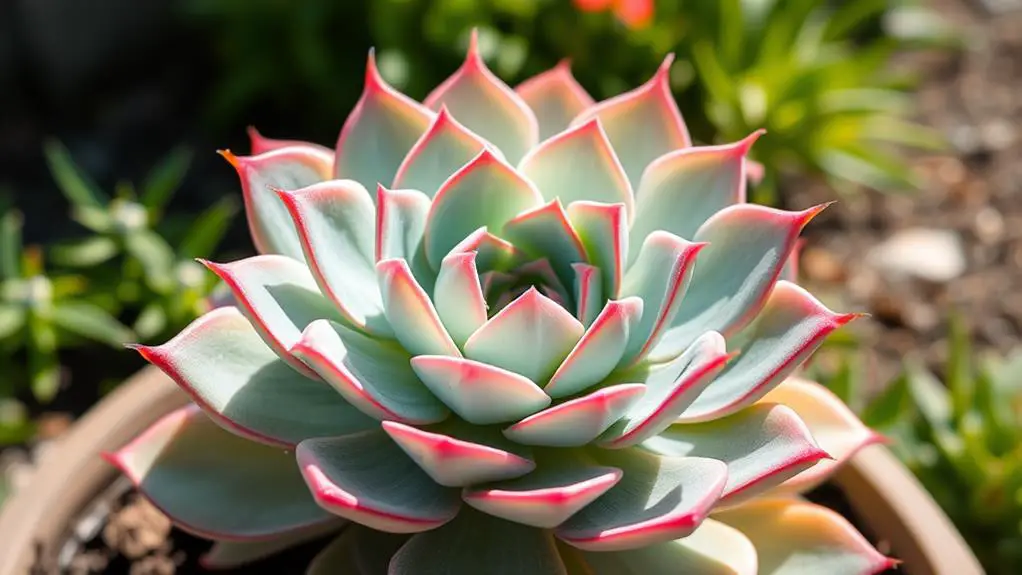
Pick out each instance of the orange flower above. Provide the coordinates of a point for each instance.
(633, 13)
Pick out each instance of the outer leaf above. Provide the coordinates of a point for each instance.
(712, 549)
(642, 124)
(487, 106)
(816, 539)
(261, 143)
(223, 364)
(290, 168)
(379, 132)
(657, 500)
(233, 554)
(458, 296)
(790, 328)
(660, 277)
(670, 388)
(455, 462)
(367, 479)
(681, 190)
(831, 423)
(555, 97)
(373, 376)
(442, 150)
(544, 333)
(762, 446)
(358, 551)
(748, 247)
(579, 164)
(478, 543)
(479, 392)
(486, 192)
(409, 309)
(599, 351)
(603, 229)
(546, 498)
(335, 222)
(279, 297)
(216, 484)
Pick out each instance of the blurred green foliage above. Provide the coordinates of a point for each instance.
(814, 73)
(82, 292)
(962, 437)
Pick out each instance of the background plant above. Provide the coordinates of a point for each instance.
(814, 73)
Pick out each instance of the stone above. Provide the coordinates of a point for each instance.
(934, 255)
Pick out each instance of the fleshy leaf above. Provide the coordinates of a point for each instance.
(479, 392)
(458, 296)
(359, 550)
(476, 543)
(367, 479)
(791, 267)
(233, 554)
(409, 309)
(603, 229)
(599, 351)
(224, 365)
(660, 277)
(372, 375)
(576, 422)
(579, 164)
(790, 327)
(670, 388)
(816, 539)
(492, 253)
(831, 423)
(559, 488)
(657, 500)
(588, 293)
(400, 224)
(442, 150)
(712, 549)
(207, 479)
(291, 168)
(487, 106)
(682, 189)
(735, 273)
(642, 124)
(486, 192)
(335, 222)
(555, 97)
(279, 297)
(545, 232)
(456, 462)
(379, 132)
(261, 144)
(531, 336)
(762, 446)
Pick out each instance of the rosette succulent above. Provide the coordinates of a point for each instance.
(507, 331)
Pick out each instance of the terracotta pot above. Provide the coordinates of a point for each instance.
(71, 474)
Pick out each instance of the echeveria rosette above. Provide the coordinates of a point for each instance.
(507, 332)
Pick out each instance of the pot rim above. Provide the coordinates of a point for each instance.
(887, 497)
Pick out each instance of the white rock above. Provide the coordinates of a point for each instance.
(930, 254)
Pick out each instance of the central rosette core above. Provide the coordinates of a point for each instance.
(502, 287)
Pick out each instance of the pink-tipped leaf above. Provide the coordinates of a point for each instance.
(545, 232)
(410, 311)
(556, 97)
(578, 421)
(379, 132)
(400, 224)
(458, 296)
(603, 229)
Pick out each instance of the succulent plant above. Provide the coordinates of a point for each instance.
(498, 331)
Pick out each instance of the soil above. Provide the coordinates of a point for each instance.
(123, 534)
(972, 190)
